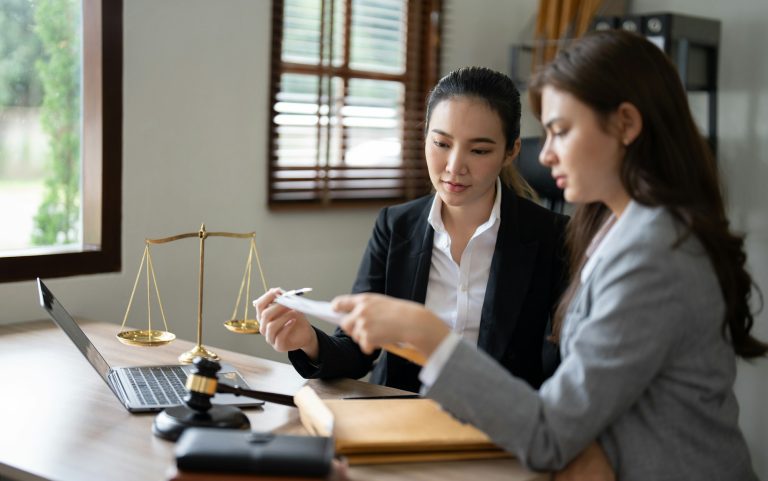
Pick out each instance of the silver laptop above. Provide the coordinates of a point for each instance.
(143, 388)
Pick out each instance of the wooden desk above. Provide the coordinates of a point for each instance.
(59, 420)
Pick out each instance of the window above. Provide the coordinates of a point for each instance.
(349, 83)
(60, 101)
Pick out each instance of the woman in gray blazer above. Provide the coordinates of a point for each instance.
(658, 307)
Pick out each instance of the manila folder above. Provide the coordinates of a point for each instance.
(392, 430)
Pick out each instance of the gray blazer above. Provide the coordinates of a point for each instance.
(645, 368)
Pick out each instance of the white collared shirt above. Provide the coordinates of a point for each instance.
(455, 292)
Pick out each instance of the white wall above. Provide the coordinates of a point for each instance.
(195, 131)
(195, 103)
(482, 32)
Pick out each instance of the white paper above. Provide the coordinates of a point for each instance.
(319, 309)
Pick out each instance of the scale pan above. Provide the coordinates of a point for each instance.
(146, 337)
(249, 326)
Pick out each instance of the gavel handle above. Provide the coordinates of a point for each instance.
(272, 397)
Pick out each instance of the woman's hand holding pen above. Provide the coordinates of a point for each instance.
(284, 329)
(374, 320)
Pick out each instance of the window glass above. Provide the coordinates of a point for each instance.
(378, 36)
(60, 137)
(40, 126)
(349, 80)
(373, 120)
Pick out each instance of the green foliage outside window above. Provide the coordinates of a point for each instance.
(40, 68)
(57, 25)
(19, 48)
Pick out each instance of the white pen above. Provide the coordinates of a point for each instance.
(297, 292)
(293, 292)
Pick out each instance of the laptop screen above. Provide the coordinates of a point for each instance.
(61, 317)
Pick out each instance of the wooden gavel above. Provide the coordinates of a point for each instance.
(202, 384)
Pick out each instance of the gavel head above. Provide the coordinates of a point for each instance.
(201, 384)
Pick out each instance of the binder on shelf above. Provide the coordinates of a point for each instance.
(631, 23)
(669, 27)
(604, 22)
(691, 43)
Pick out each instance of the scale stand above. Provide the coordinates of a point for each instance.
(152, 337)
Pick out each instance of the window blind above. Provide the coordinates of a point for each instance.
(348, 86)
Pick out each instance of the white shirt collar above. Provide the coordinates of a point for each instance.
(435, 218)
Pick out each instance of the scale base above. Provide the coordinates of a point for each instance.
(170, 423)
(189, 356)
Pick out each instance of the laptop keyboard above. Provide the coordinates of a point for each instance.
(159, 385)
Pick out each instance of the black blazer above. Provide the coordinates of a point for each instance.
(527, 276)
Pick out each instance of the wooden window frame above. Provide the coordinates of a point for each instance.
(421, 73)
(102, 194)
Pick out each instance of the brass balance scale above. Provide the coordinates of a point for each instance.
(154, 337)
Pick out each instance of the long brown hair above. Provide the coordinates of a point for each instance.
(501, 95)
(669, 164)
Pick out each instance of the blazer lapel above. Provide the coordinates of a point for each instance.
(423, 262)
(511, 270)
(411, 258)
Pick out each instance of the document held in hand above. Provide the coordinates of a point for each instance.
(376, 431)
(322, 310)
(319, 309)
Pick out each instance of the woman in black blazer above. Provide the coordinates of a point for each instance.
(472, 137)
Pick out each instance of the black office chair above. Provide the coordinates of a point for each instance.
(537, 175)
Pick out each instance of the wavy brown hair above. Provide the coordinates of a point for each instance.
(669, 164)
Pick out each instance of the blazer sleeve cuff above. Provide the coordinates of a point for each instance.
(434, 365)
(306, 367)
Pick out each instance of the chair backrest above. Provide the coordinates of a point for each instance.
(537, 175)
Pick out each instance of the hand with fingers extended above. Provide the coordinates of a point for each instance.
(375, 320)
(284, 329)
